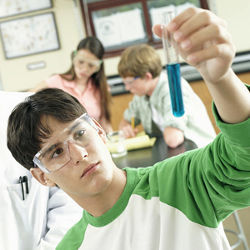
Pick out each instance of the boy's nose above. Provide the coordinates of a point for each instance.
(127, 86)
(85, 67)
(77, 153)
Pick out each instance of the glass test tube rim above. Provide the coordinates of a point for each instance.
(169, 45)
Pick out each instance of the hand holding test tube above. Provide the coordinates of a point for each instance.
(172, 67)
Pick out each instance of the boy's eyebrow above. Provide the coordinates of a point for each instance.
(58, 143)
(73, 127)
(50, 149)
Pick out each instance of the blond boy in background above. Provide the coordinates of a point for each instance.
(141, 70)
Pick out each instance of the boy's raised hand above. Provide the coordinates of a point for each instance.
(203, 41)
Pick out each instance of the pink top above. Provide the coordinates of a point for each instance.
(90, 98)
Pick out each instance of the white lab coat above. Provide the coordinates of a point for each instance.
(39, 221)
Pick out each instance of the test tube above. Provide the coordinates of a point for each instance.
(172, 67)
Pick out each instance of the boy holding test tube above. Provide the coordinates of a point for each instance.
(141, 69)
(178, 203)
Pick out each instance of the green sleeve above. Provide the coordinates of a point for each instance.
(74, 237)
(206, 184)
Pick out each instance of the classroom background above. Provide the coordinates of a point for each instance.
(67, 19)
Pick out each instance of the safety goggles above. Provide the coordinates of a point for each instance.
(79, 61)
(131, 81)
(55, 155)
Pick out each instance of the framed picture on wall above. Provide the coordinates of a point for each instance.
(16, 7)
(29, 35)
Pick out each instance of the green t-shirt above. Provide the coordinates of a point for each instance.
(176, 204)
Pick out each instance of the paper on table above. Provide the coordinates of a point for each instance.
(140, 141)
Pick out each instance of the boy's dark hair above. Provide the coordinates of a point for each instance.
(25, 131)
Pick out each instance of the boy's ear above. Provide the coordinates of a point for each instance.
(40, 176)
(148, 76)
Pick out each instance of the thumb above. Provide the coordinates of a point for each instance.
(157, 30)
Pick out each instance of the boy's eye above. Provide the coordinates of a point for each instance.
(79, 133)
(91, 65)
(57, 152)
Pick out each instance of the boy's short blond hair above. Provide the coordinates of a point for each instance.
(137, 60)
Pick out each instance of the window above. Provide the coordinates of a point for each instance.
(121, 23)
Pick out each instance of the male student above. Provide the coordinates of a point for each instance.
(176, 204)
(32, 216)
(141, 69)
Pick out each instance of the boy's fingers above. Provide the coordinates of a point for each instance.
(210, 33)
(176, 22)
(182, 18)
(128, 131)
(198, 22)
(213, 51)
(188, 22)
(157, 30)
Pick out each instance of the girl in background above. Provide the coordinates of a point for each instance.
(86, 80)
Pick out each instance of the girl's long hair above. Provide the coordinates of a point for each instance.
(93, 45)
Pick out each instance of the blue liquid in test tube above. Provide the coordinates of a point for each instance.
(173, 68)
(174, 81)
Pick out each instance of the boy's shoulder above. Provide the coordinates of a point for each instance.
(162, 88)
(74, 237)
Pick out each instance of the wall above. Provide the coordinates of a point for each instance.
(14, 72)
(71, 30)
(236, 13)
